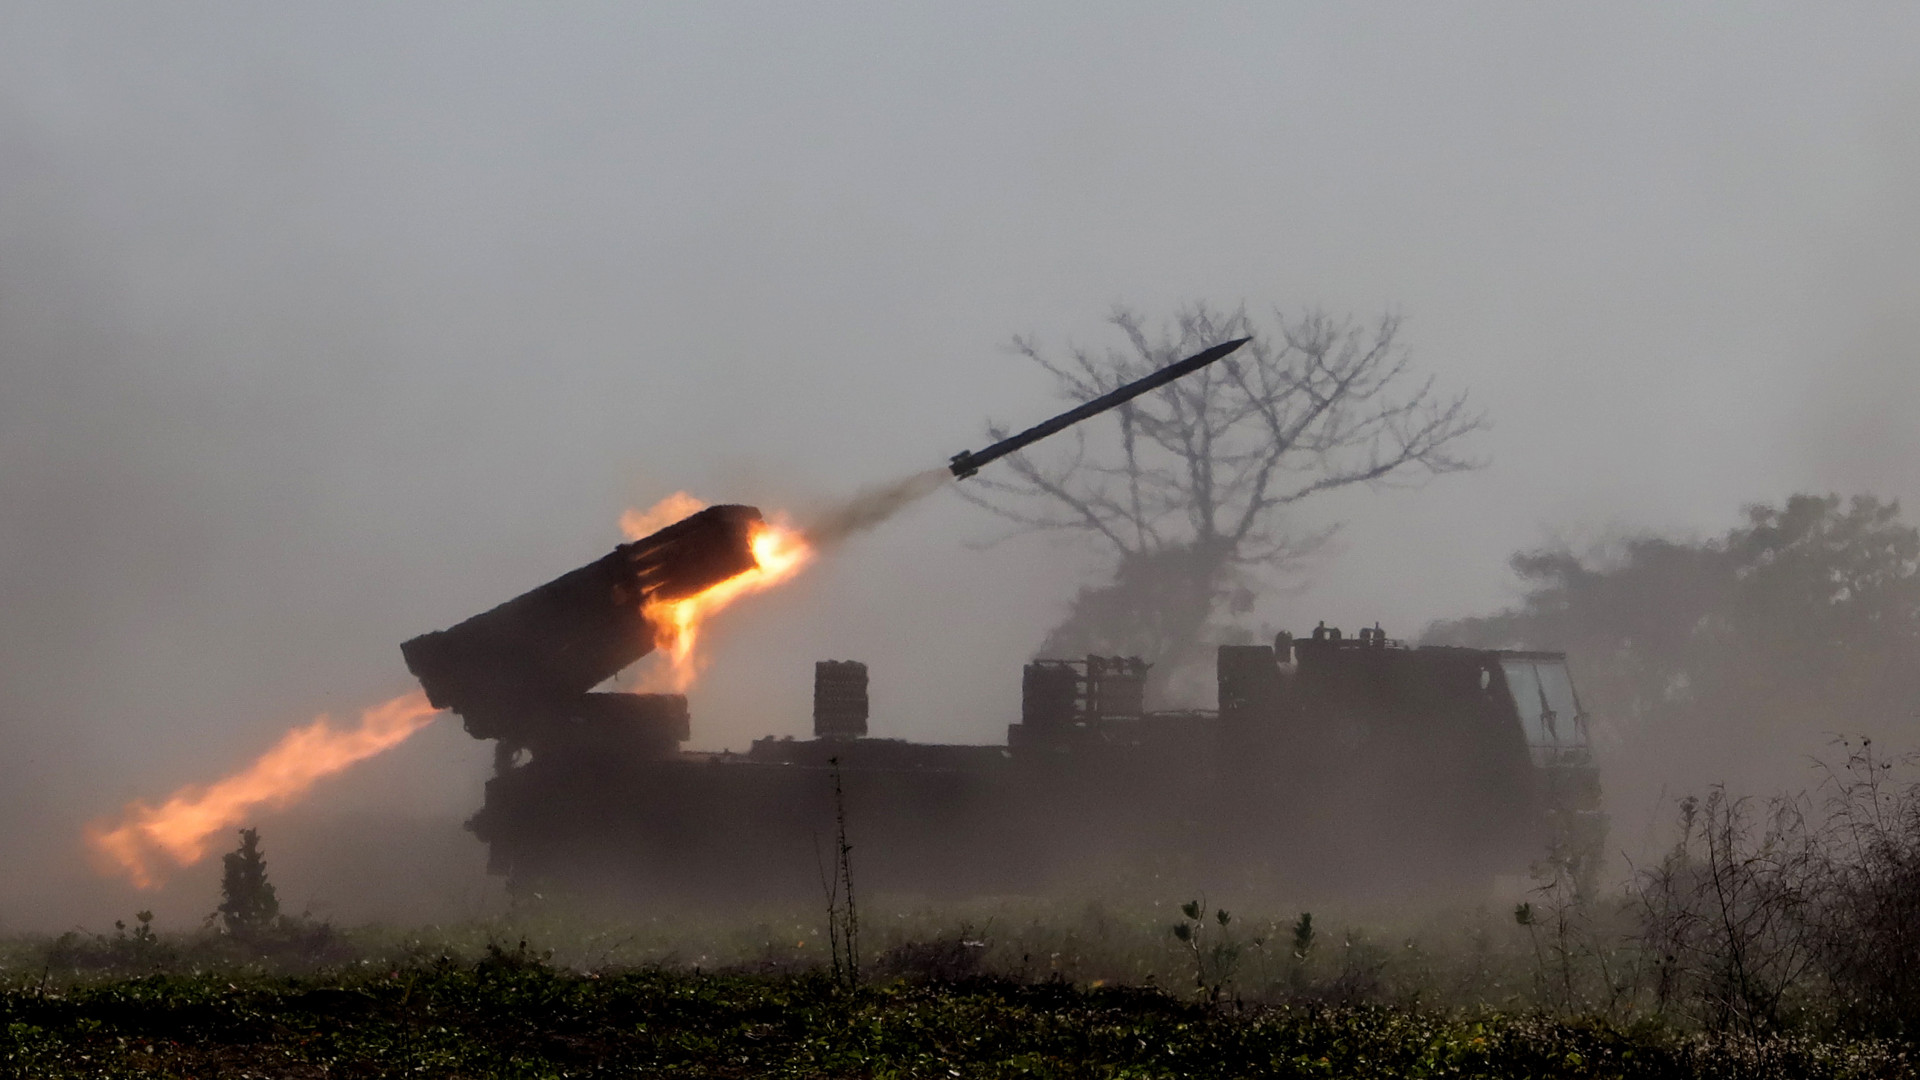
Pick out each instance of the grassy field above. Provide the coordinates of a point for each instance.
(1009, 989)
(511, 1016)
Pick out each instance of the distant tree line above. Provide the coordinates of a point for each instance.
(1732, 658)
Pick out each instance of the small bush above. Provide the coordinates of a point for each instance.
(136, 951)
(948, 959)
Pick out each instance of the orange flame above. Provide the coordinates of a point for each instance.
(780, 552)
(779, 549)
(180, 828)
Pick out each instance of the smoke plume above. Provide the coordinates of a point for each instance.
(871, 507)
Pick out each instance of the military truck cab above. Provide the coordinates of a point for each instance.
(1423, 763)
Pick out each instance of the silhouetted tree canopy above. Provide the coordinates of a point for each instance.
(248, 903)
(1190, 487)
(1733, 658)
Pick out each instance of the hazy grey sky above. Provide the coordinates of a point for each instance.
(323, 325)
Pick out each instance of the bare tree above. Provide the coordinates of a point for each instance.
(1192, 494)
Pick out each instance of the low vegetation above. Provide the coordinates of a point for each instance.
(1772, 939)
(1557, 987)
(513, 1014)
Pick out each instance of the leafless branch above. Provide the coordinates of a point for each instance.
(1216, 460)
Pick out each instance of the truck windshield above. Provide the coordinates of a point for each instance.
(1549, 712)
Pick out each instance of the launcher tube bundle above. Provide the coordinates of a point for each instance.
(541, 652)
